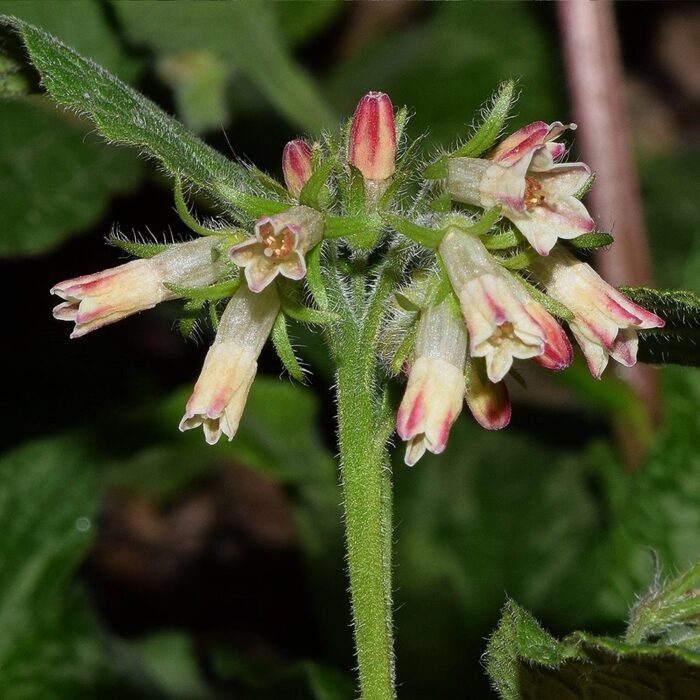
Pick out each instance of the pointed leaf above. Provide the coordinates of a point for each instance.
(590, 241)
(491, 125)
(284, 349)
(678, 341)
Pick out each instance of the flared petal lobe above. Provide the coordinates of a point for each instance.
(605, 321)
(279, 246)
(93, 301)
(534, 192)
(503, 321)
(220, 393)
(435, 391)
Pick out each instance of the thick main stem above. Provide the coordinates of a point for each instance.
(367, 500)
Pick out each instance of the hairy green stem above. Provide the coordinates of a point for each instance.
(367, 500)
(364, 426)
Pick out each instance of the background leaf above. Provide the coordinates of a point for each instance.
(250, 41)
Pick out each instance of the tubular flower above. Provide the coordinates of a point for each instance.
(296, 166)
(220, 393)
(488, 402)
(93, 301)
(279, 246)
(605, 321)
(534, 192)
(435, 390)
(372, 145)
(503, 321)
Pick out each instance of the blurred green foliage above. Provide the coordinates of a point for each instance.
(551, 520)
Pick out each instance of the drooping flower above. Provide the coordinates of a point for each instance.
(220, 393)
(534, 192)
(502, 319)
(372, 145)
(435, 391)
(296, 166)
(488, 402)
(93, 301)
(605, 321)
(279, 246)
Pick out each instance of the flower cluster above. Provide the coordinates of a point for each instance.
(482, 313)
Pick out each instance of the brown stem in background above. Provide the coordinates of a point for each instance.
(595, 80)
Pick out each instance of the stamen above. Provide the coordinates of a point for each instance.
(276, 244)
(534, 196)
(503, 332)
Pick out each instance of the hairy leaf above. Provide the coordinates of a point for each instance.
(492, 123)
(524, 661)
(284, 349)
(678, 342)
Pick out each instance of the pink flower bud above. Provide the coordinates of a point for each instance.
(488, 402)
(296, 165)
(605, 321)
(93, 301)
(435, 390)
(279, 246)
(220, 394)
(372, 147)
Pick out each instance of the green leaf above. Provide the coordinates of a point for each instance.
(253, 206)
(492, 123)
(237, 31)
(591, 241)
(554, 307)
(480, 227)
(343, 226)
(526, 662)
(677, 341)
(284, 349)
(55, 180)
(404, 349)
(425, 236)
(314, 277)
(503, 240)
(220, 290)
(315, 191)
(123, 115)
(138, 250)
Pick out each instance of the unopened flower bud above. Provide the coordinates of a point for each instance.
(605, 321)
(488, 402)
(372, 147)
(296, 165)
(435, 391)
(93, 301)
(229, 369)
(279, 246)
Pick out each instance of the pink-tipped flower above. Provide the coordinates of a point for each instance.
(296, 166)
(279, 246)
(220, 394)
(534, 192)
(503, 320)
(93, 301)
(605, 321)
(435, 390)
(372, 147)
(488, 402)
